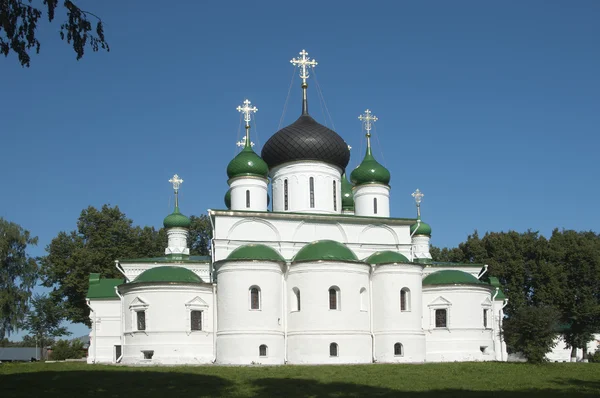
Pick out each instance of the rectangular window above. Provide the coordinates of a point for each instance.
(254, 298)
(440, 319)
(374, 205)
(485, 318)
(247, 199)
(285, 194)
(403, 300)
(196, 319)
(333, 299)
(141, 320)
(334, 197)
(117, 352)
(312, 192)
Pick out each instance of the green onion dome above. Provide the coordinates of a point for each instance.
(370, 171)
(420, 228)
(255, 252)
(247, 163)
(168, 274)
(386, 257)
(451, 277)
(347, 196)
(327, 250)
(228, 199)
(176, 220)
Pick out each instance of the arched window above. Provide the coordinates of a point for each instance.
(334, 298)
(398, 350)
(295, 299)
(285, 194)
(262, 350)
(374, 205)
(441, 318)
(334, 197)
(247, 199)
(333, 350)
(364, 301)
(405, 299)
(312, 192)
(254, 298)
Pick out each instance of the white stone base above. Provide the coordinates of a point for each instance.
(314, 348)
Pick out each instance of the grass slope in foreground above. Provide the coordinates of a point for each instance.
(66, 380)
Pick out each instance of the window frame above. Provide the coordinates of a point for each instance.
(260, 354)
(138, 305)
(374, 205)
(296, 300)
(337, 298)
(334, 196)
(445, 326)
(311, 183)
(285, 194)
(247, 198)
(334, 350)
(405, 300)
(250, 298)
(401, 347)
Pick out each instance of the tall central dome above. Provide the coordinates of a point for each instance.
(306, 139)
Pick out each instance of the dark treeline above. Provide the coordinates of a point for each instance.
(558, 278)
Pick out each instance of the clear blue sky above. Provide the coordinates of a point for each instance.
(492, 109)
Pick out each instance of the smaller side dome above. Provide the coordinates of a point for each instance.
(176, 220)
(228, 199)
(327, 250)
(247, 163)
(168, 274)
(386, 257)
(451, 277)
(420, 228)
(370, 171)
(255, 252)
(347, 196)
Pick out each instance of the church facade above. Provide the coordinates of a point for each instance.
(323, 276)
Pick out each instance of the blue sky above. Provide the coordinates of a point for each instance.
(492, 109)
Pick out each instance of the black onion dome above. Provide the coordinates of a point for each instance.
(305, 139)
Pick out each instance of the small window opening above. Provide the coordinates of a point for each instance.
(405, 299)
(296, 299)
(312, 192)
(485, 318)
(141, 320)
(440, 318)
(334, 197)
(262, 350)
(196, 320)
(334, 298)
(333, 350)
(285, 194)
(374, 205)
(398, 350)
(148, 354)
(247, 199)
(254, 298)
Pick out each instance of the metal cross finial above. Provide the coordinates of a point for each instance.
(418, 195)
(368, 119)
(349, 147)
(247, 110)
(304, 63)
(176, 181)
(242, 142)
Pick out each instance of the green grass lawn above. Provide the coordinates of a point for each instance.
(73, 380)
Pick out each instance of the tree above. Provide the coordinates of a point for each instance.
(200, 235)
(64, 349)
(19, 21)
(18, 275)
(43, 320)
(531, 331)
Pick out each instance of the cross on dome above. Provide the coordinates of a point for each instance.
(242, 142)
(176, 181)
(367, 120)
(418, 195)
(304, 63)
(247, 111)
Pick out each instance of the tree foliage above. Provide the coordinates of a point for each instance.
(43, 321)
(18, 275)
(19, 20)
(64, 349)
(103, 236)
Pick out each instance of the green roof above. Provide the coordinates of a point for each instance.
(347, 196)
(386, 257)
(450, 264)
(451, 277)
(423, 228)
(102, 288)
(228, 199)
(168, 274)
(247, 163)
(177, 220)
(327, 250)
(495, 282)
(255, 252)
(170, 258)
(370, 171)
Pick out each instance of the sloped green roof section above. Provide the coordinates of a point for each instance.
(386, 257)
(420, 228)
(255, 252)
(168, 274)
(347, 196)
(176, 220)
(170, 258)
(102, 288)
(247, 163)
(370, 171)
(327, 250)
(451, 277)
(495, 282)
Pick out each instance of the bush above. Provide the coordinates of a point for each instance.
(64, 349)
(531, 331)
(594, 357)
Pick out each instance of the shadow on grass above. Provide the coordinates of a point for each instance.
(148, 383)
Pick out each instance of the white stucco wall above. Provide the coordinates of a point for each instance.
(177, 238)
(421, 246)
(240, 329)
(257, 188)
(168, 331)
(105, 333)
(312, 329)
(464, 335)
(365, 196)
(298, 175)
(390, 324)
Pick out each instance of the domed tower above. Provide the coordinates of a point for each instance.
(371, 180)
(347, 196)
(306, 160)
(420, 233)
(177, 225)
(247, 173)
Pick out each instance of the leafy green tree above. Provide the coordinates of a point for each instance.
(64, 349)
(19, 22)
(44, 319)
(531, 330)
(18, 275)
(200, 235)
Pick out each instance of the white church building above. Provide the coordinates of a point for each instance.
(323, 276)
